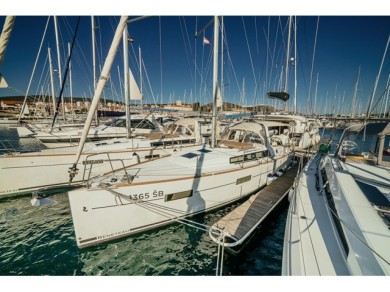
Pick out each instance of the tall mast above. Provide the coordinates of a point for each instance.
(126, 80)
(295, 65)
(377, 79)
(215, 82)
(70, 85)
(140, 71)
(287, 60)
(94, 60)
(59, 63)
(387, 97)
(52, 82)
(222, 41)
(354, 95)
(315, 97)
(93, 52)
(287, 54)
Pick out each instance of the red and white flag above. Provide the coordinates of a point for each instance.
(205, 41)
(130, 39)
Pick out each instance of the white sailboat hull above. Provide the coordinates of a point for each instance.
(25, 173)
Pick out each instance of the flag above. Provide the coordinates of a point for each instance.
(130, 39)
(205, 41)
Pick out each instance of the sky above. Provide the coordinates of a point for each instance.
(331, 46)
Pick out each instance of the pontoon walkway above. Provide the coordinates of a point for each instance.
(242, 221)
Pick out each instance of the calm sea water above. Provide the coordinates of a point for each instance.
(41, 241)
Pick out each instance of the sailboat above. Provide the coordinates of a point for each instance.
(188, 182)
(338, 222)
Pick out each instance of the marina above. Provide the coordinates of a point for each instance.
(208, 186)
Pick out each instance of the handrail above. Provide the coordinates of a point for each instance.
(100, 161)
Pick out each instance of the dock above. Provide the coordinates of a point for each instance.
(240, 223)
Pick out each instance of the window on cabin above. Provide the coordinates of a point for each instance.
(142, 124)
(182, 130)
(171, 128)
(119, 123)
(192, 129)
(252, 137)
(229, 135)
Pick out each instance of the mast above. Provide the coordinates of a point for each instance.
(70, 85)
(222, 41)
(99, 89)
(354, 95)
(59, 63)
(140, 71)
(287, 54)
(287, 60)
(377, 79)
(215, 82)
(94, 60)
(126, 81)
(315, 97)
(93, 52)
(387, 97)
(52, 82)
(295, 65)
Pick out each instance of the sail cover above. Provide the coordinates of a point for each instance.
(279, 95)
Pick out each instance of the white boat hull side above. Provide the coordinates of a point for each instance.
(21, 174)
(100, 215)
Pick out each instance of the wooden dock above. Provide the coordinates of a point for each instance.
(242, 221)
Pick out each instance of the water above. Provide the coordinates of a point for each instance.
(41, 241)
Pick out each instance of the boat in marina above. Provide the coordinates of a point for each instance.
(188, 182)
(338, 222)
(18, 170)
(304, 131)
(117, 128)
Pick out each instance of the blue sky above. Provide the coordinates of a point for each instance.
(179, 67)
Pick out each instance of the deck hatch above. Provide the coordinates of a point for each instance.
(189, 155)
(204, 150)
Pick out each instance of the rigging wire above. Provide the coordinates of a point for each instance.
(309, 107)
(66, 73)
(249, 51)
(33, 71)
